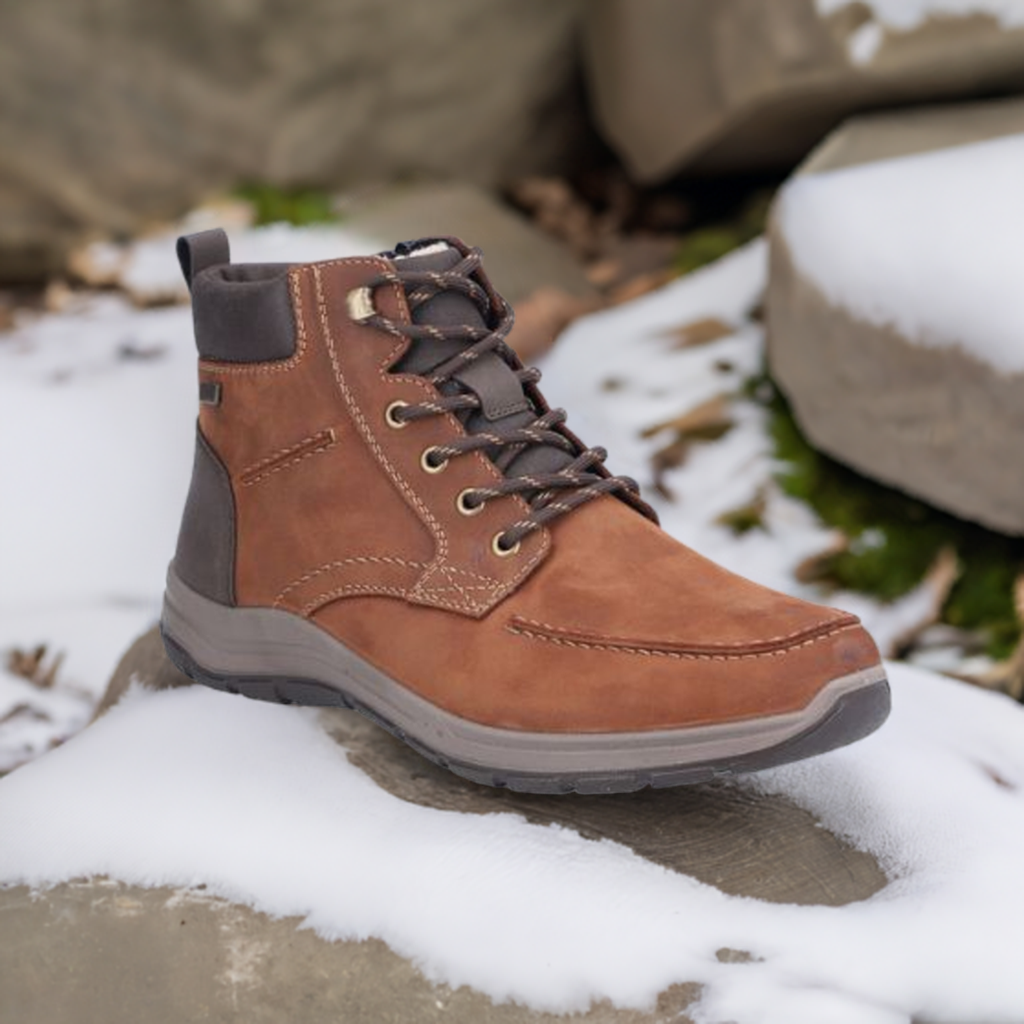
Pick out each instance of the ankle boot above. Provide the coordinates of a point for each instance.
(386, 515)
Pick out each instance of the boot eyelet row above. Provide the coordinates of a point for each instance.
(500, 550)
(432, 467)
(391, 420)
(462, 503)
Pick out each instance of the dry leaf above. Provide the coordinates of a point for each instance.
(641, 285)
(818, 567)
(699, 332)
(704, 422)
(672, 456)
(707, 422)
(1008, 676)
(32, 665)
(942, 574)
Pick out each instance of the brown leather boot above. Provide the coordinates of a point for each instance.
(386, 515)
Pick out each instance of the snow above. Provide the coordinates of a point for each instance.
(908, 15)
(930, 244)
(180, 787)
(99, 404)
(148, 268)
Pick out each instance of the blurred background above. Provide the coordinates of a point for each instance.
(600, 152)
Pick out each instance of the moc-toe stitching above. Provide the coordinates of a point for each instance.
(768, 648)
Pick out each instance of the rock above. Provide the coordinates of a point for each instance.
(937, 421)
(750, 84)
(113, 119)
(96, 949)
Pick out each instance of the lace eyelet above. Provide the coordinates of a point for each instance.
(463, 505)
(500, 550)
(391, 420)
(432, 467)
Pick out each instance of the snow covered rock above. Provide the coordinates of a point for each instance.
(105, 938)
(741, 84)
(895, 309)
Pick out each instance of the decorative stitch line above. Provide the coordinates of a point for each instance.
(838, 624)
(340, 564)
(312, 445)
(654, 653)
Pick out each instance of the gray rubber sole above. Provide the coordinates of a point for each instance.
(273, 655)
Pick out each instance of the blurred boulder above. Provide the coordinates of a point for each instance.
(520, 258)
(116, 114)
(928, 398)
(739, 85)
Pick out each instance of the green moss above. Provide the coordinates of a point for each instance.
(895, 538)
(707, 244)
(745, 518)
(294, 206)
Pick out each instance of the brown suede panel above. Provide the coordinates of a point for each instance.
(621, 629)
(358, 515)
(600, 623)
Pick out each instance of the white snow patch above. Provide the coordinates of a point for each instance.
(180, 787)
(149, 270)
(99, 406)
(865, 42)
(931, 245)
(906, 15)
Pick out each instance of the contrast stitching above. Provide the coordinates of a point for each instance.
(352, 589)
(500, 589)
(623, 641)
(421, 589)
(340, 564)
(276, 366)
(309, 446)
(655, 653)
(361, 422)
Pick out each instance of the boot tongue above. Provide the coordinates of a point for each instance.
(503, 402)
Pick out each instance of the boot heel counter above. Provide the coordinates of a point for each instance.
(205, 555)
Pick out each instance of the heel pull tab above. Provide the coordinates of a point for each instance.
(201, 250)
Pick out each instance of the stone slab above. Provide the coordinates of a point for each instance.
(935, 422)
(741, 85)
(519, 257)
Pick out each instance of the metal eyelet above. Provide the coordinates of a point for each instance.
(390, 418)
(500, 550)
(360, 304)
(464, 507)
(432, 467)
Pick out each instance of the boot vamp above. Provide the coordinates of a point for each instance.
(622, 629)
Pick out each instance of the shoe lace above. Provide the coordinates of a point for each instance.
(548, 494)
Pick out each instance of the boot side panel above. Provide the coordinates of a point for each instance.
(205, 555)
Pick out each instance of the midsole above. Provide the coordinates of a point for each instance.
(254, 642)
